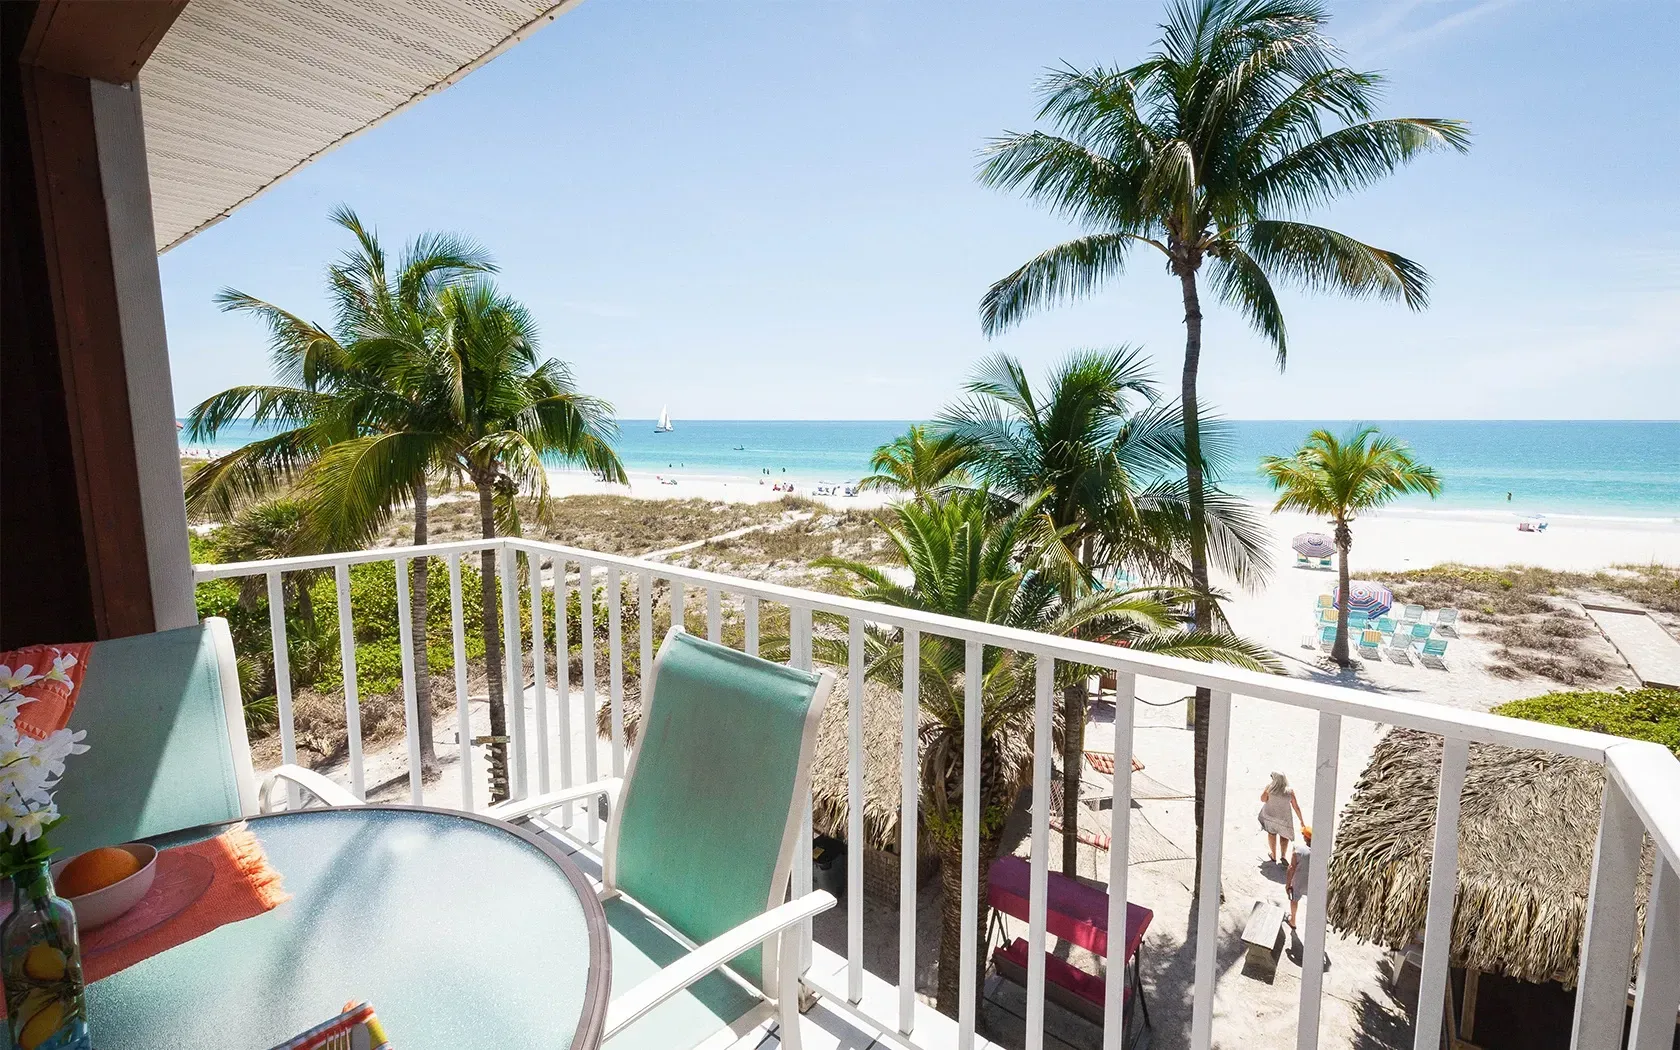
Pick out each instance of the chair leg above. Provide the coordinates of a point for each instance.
(788, 989)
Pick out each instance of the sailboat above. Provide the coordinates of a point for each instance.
(664, 424)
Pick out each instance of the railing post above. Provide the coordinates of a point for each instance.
(854, 810)
(714, 615)
(411, 703)
(539, 666)
(799, 652)
(586, 639)
(1119, 854)
(969, 977)
(1213, 855)
(347, 661)
(751, 643)
(563, 683)
(1318, 879)
(513, 674)
(1607, 942)
(909, 802)
(1443, 893)
(1657, 995)
(463, 714)
(615, 670)
(282, 680)
(1038, 899)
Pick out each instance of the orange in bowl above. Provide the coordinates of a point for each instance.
(95, 870)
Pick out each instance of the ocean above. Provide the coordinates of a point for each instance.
(1614, 468)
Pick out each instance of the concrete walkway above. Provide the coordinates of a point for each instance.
(1652, 652)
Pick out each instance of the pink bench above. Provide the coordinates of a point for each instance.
(1077, 913)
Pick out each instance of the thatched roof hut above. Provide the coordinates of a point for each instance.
(883, 718)
(1527, 827)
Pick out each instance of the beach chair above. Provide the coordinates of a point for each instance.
(1415, 613)
(1358, 621)
(1327, 616)
(1385, 624)
(686, 860)
(1301, 559)
(1325, 601)
(1324, 563)
(1421, 632)
(1370, 644)
(1434, 654)
(1400, 648)
(1327, 638)
(1446, 622)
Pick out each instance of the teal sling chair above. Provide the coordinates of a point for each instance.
(167, 747)
(701, 836)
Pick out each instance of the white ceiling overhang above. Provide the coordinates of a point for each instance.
(241, 93)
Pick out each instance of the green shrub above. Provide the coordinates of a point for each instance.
(1640, 714)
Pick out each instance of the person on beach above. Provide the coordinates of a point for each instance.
(1275, 805)
(1300, 866)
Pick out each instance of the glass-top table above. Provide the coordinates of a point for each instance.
(461, 931)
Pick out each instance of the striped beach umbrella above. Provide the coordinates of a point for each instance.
(1372, 599)
(1313, 545)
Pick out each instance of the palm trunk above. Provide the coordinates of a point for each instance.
(419, 613)
(1073, 756)
(949, 990)
(1344, 542)
(492, 641)
(1198, 527)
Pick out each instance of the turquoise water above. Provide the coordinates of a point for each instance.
(1602, 468)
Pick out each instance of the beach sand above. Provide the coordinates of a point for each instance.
(1357, 1010)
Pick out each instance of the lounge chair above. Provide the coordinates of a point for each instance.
(1370, 644)
(1301, 559)
(686, 860)
(1434, 654)
(1324, 563)
(1327, 616)
(1358, 621)
(1421, 632)
(1327, 638)
(1415, 613)
(1385, 624)
(1400, 648)
(1325, 601)
(1446, 622)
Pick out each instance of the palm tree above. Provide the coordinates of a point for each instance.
(493, 411)
(1101, 452)
(1242, 118)
(336, 385)
(967, 561)
(1339, 478)
(918, 463)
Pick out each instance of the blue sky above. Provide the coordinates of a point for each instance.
(755, 209)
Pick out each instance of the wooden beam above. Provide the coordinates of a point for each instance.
(98, 39)
(77, 249)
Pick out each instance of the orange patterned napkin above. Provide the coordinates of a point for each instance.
(48, 676)
(243, 886)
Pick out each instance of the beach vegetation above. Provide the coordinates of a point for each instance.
(967, 559)
(1208, 153)
(1340, 478)
(918, 462)
(1103, 458)
(1651, 714)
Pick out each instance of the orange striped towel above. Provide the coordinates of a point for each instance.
(243, 885)
(49, 676)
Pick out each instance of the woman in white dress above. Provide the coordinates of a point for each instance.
(1276, 802)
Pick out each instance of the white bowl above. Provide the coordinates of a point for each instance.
(95, 909)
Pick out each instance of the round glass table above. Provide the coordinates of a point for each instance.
(460, 930)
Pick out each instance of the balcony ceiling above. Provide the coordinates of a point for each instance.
(241, 93)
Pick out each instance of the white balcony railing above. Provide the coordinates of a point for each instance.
(1641, 796)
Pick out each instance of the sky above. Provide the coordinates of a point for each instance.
(750, 209)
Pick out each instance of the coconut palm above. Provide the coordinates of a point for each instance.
(1103, 454)
(338, 384)
(967, 561)
(493, 413)
(1339, 478)
(917, 462)
(1243, 119)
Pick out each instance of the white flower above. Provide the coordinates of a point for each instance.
(62, 662)
(26, 821)
(11, 681)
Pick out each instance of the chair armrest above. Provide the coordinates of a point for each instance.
(710, 956)
(307, 779)
(521, 809)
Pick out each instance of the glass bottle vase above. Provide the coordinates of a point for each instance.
(41, 960)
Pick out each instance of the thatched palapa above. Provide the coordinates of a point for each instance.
(1527, 827)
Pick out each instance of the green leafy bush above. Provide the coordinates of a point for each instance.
(1640, 714)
